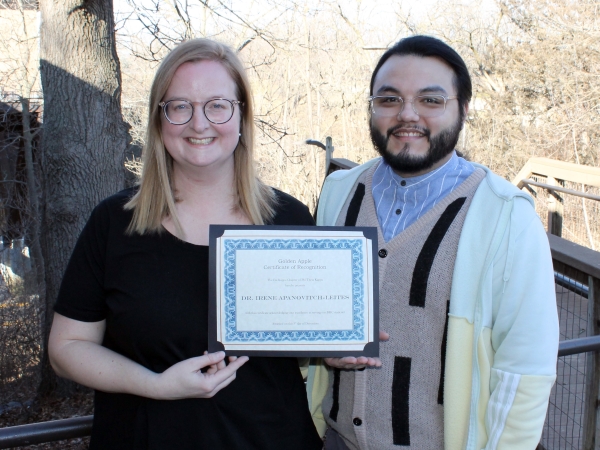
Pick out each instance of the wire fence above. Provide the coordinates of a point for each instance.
(564, 426)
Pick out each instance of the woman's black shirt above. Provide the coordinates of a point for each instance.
(152, 290)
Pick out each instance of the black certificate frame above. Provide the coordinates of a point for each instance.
(371, 349)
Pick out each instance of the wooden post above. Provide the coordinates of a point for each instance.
(555, 209)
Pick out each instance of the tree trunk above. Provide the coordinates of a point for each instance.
(84, 137)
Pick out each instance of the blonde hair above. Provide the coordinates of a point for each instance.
(155, 199)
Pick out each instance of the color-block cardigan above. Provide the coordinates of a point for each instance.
(502, 339)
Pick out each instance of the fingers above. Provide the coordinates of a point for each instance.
(343, 363)
(238, 362)
(226, 371)
(220, 385)
(209, 359)
(353, 363)
(221, 365)
(214, 367)
(186, 379)
(218, 376)
(374, 362)
(383, 336)
(222, 377)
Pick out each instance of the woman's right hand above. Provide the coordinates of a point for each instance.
(186, 380)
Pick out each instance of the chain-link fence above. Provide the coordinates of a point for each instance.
(570, 421)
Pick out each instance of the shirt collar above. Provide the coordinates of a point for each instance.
(415, 181)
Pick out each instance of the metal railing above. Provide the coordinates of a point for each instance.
(331, 164)
(56, 430)
(38, 433)
(573, 407)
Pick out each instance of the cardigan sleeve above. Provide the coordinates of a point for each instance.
(524, 335)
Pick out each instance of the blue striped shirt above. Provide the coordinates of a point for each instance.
(401, 201)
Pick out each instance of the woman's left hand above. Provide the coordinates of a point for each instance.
(213, 368)
(187, 380)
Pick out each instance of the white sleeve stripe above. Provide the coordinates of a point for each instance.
(499, 405)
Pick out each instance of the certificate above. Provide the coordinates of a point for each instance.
(296, 291)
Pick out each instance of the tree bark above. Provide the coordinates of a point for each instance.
(84, 138)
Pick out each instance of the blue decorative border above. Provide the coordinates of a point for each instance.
(357, 333)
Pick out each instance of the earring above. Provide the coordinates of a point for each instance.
(240, 134)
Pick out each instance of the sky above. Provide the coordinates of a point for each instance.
(370, 13)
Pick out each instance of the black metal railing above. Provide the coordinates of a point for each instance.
(581, 345)
(573, 408)
(56, 430)
(38, 433)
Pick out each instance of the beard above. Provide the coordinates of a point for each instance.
(440, 145)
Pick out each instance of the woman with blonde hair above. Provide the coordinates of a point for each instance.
(131, 317)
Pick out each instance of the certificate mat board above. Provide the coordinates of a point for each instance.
(295, 291)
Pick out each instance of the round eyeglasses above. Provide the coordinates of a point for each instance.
(217, 110)
(426, 106)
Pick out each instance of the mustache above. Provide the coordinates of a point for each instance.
(401, 127)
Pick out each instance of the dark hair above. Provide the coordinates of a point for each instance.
(427, 46)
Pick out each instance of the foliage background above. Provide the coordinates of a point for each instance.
(535, 68)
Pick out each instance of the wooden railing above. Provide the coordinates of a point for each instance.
(556, 174)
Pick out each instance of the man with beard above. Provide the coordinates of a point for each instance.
(467, 300)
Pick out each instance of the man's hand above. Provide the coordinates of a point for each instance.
(353, 363)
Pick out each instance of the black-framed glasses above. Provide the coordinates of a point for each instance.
(423, 105)
(216, 110)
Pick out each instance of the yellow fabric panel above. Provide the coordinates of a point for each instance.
(485, 356)
(317, 385)
(528, 413)
(457, 382)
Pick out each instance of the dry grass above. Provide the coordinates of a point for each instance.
(20, 355)
(20, 341)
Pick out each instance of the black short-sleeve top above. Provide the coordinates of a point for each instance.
(152, 290)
